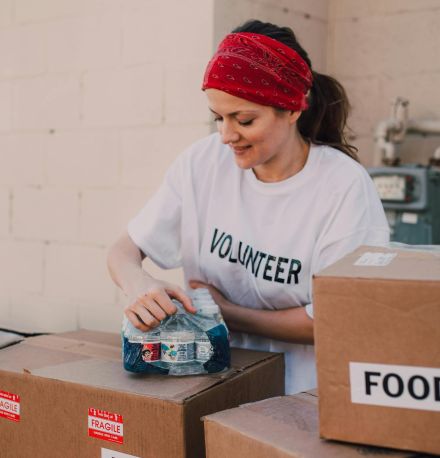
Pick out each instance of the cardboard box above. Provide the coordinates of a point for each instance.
(281, 427)
(377, 339)
(74, 400)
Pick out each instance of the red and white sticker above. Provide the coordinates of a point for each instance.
(9, 406)
(106, 426)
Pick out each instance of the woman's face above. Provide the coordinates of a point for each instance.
(258, 135)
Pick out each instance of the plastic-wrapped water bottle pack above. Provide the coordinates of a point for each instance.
(183, 344)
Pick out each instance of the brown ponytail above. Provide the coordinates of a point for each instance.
(324, 122)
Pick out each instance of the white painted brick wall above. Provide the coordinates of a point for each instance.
(307, 18)
(381, 45)
(30, 11)
(42, 313)
(105, 213)
(100, 317)
(93, 42)
(22, 50)
(47, 101)
(82, 159)
(5, 13)
(45, 213)
(4, 273)
(23, 267)
(78, 272)
(183, 90)
(367, 104)
(97, 98)
(346, 9)
(141, 149)
(382, 50)
(22, 159)
(131, 96)
(4, 212)
(309, 23)
(167, 31)
(5, 106)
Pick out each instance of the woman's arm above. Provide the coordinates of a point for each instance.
(148, 298)
(289, 325)
(124, 262)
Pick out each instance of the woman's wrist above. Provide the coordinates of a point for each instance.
(136, 282)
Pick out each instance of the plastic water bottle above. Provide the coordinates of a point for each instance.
(139, 348)
(177, 337)
(183, 344)
(211, 340)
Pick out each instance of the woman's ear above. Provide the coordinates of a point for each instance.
(294, 116)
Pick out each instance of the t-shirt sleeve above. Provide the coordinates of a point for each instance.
(356, 218)
(156, 229)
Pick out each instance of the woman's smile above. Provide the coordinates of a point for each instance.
(240, 150)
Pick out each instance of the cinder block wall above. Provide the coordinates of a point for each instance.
(383, 49)
(96, 99)
(307, 18)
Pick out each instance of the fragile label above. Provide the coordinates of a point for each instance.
(375, 259)
(9, 406)
(107, 453)
(390, 385)
(106, 426)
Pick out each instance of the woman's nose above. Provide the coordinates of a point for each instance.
(228, 133)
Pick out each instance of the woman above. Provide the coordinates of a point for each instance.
(253, 211)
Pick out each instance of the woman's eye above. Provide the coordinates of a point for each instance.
(242, 123)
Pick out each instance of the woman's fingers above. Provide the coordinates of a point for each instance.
(182, 297)
(145, 315)
(155, 304)
(135, 321)
(156, 307)
(163, 300)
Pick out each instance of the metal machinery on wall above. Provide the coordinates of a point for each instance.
(410, 193)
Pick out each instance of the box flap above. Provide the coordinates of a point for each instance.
(289, 425)
(22, 357)
(110, 374)
(94, 359)
(80, 346)
(386, 263)
(106, 338)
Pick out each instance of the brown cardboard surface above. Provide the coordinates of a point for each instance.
(107, 338)
(27, 357)
(67, 374)
(107, 371)
(280, 427)
(408, 265)
(380, 315)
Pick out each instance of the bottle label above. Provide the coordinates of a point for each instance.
(151, 352)
(204, 350)
(177, 352)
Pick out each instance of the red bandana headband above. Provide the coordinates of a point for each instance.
(259, 69)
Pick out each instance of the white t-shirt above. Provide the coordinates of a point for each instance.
(260, 243)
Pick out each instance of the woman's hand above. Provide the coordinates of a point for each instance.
(150, 302)
(288, 325)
